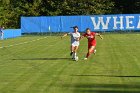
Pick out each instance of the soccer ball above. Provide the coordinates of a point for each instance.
(76, 58)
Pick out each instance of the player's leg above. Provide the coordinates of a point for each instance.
(2, 36)
(91, 48)
(90, 51)
(75, 51)
(72, 49)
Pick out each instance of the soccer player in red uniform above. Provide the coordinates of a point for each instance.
(91, 41)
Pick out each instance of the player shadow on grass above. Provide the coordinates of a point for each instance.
(104, 88)
(43, 59)
(121, 76)
(93, 87)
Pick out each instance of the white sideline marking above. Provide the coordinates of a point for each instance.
(23, 43)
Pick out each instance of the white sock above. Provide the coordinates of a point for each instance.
(75, 55)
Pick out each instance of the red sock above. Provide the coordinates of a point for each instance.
(87, 55)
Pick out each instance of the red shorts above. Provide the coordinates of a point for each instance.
(91, 44)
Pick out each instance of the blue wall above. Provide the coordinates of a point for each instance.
(12, 33)
(95, 22)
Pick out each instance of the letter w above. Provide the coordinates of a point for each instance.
(100, 21)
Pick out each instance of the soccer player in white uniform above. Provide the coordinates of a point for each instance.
(74, 42)
(1, 33)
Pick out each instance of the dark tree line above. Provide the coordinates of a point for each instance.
(12, 10)
(127, 6)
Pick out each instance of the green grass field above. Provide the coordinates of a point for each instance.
(44, 66)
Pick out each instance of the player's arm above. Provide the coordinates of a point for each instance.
(3, 28)
(64, 35)
(81, 37)
(98, 34)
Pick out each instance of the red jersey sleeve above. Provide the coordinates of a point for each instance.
(93, 33)
(84, 34)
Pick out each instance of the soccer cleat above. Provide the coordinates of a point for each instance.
(85, 58)
(76, 58)
(73, 58)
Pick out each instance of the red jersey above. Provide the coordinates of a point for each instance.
(90, 37)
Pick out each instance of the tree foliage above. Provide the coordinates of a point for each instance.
(12, 10)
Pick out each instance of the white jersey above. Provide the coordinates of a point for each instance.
(75, 38)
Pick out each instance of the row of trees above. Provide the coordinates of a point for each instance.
(12, 10)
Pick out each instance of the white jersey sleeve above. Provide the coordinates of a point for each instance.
(69, 33)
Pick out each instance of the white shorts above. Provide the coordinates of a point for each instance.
(75, 44)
